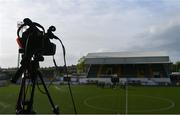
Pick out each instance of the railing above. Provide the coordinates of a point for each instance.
(124, 76)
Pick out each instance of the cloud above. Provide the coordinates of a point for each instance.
(89, 25)
(163, 37)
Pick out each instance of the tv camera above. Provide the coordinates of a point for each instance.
(33, 45)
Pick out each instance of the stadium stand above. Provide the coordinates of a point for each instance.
(145, 68)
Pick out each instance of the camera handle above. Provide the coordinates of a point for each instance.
(28, 22)
(33, 26)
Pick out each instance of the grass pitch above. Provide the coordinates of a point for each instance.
(90, 99)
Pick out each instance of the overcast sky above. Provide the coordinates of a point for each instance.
(94, 26)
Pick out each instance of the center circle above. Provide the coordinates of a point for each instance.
(136, 103)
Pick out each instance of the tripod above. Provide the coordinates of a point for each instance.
(31, 73)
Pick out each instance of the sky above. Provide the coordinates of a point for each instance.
(87, 26)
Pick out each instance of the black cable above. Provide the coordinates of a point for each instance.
(27, 88)
(51, 82)
(54, 61)
(18, 59)
(66, 71)
(40, 90)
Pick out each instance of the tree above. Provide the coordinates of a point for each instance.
(81, 65)
(176, 67)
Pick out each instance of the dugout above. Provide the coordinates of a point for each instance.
(175, 78)
(128, 65)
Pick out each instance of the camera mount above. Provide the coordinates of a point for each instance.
(30, 76)
(34, 44)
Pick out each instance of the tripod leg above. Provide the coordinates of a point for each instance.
(30, 104)
(24, 106)
(19, 105)
(55, 108)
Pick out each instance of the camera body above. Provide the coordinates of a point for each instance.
(35, 42)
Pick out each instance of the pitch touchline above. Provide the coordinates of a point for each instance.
(5, 105)
(60, 89)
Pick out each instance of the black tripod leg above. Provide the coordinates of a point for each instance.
(55, 108)
(19, 105)
(30, 105)
(17, 75)
(24, 106)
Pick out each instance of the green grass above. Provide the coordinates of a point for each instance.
(90, 99)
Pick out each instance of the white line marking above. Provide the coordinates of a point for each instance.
(5, 105)
(60, 89)
(126, 97)
(172, 104)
